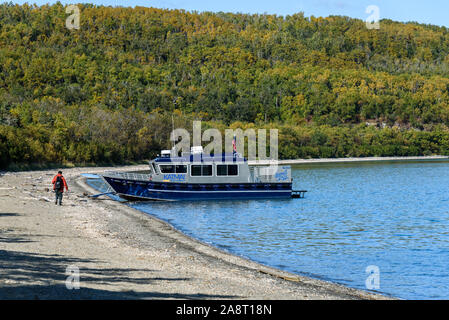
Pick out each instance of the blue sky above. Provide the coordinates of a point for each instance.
(430, 11)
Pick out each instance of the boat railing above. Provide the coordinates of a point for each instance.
(268, 174)
(128, 175)
(258, 174)
(264, 179)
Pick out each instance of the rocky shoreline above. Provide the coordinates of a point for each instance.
(122, 253)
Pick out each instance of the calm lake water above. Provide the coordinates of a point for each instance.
(391, 215)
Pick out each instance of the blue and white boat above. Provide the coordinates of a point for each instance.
(197, 176)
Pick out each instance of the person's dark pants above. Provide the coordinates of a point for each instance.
(58, 197)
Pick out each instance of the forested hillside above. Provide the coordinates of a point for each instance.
(106, 92)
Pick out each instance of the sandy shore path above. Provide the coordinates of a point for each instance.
(121, 253)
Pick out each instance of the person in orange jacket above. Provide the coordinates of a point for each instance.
(59, 184)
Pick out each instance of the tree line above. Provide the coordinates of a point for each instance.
(105, 93)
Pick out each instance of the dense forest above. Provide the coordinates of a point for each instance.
(106, 92)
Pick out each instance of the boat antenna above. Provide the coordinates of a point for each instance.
(173, 130)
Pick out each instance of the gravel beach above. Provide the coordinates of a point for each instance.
(122, 253)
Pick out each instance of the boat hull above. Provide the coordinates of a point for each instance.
(165, 191)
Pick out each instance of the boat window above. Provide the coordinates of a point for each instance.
(154, 168)
(207, 170)
(181, 169)
(222, 170)
(227, 170)
(198, 171)
(167, 169)
(233, 170)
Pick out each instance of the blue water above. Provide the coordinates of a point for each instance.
(391, 215)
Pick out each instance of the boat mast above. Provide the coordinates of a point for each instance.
(173, 136)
